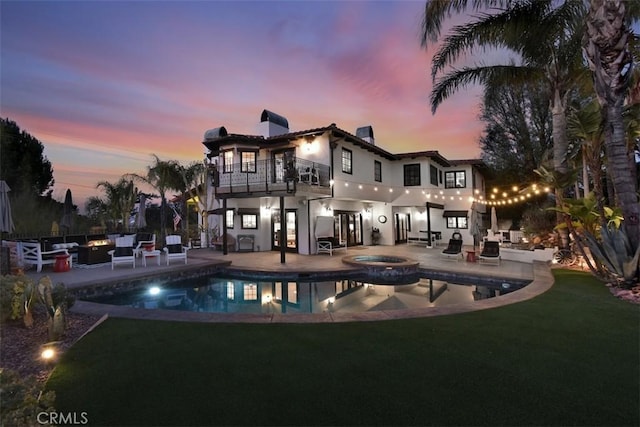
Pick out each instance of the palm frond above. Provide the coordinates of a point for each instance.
(586, 123)
(436, 11)
(486, 75)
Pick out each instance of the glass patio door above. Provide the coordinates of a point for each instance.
(291, 230)
(348, 227)
(402, 227)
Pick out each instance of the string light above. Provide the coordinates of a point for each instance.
(513, 196)
(507, 195)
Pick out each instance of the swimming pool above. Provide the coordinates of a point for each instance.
(211, 294)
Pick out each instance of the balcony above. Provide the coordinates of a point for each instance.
(272, 177)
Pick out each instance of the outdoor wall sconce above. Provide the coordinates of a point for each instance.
(309, 145)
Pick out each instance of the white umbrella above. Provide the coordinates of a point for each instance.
(494, 220)
(474, 225)
(141, 220)
(6, 225)
(6, 221)
(67, 217)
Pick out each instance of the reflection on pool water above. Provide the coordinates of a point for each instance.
(227, 295)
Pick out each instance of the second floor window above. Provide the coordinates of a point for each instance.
(248, 161)
(412, 174)
(227, 161)
(455, 179)
(433, 175)
(347, 161)
(377, 171)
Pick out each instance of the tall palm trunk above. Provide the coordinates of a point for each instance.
(560, 150)
(606, 45)
(585, 174)
(622, 169)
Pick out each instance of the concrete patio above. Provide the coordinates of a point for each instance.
(269, 262)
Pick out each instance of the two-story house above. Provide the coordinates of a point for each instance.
(274, 185)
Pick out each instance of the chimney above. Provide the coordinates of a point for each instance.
(213, 134)
(272, 124)
(366, 133)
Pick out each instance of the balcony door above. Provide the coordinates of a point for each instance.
(282, 161)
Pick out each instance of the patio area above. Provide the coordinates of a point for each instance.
(268, 263)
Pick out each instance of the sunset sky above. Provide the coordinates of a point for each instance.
(104, 84)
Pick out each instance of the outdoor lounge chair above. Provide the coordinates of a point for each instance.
(32, 254)
(328, 245)
(490, 252)
(123, 253)
(174, 248)
(325, 240)
(453, 250)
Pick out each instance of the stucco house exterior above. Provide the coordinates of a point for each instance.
(282, 180)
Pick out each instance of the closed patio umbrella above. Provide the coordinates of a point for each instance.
(494, 220)
(67, 216)
(474, 225)
(6, 225)
(6, 220)
(141, 220)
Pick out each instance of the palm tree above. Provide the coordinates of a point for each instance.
(585, 127)
(544, 34)
(97, 210)
(121, 197)
(163, 175)
(195, 176)
(608, 48)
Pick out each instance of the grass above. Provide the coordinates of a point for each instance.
(567, 357)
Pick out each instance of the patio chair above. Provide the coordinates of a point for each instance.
(174, 248)
(310, 176)
(490, 252)
(453, 249)
(143, 242)
(325, 240)
(123, 253)
(31, 253)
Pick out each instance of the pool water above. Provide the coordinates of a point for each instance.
(228, 295)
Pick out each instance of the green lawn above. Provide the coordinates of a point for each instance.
(567, 357)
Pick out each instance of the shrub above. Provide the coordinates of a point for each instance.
(21, 399)
(16, 298)
(18, 294)
(56, 300)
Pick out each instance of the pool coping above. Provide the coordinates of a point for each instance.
(542, 282)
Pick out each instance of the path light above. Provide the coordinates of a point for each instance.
(49, 352)
(154, 290)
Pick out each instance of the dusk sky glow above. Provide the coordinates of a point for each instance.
(103, 85)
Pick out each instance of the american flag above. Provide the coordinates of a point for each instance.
(176, 220)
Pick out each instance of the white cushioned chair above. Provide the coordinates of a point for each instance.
(174, 248)
(123, 253)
